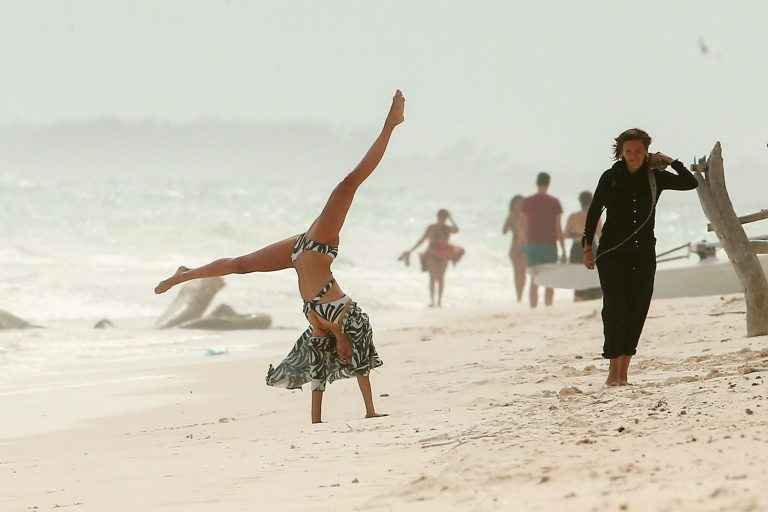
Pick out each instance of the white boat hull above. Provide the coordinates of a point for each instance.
(715, 278)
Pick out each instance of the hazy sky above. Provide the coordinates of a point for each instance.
(546, 81)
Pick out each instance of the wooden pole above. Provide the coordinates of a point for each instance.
(718, 208)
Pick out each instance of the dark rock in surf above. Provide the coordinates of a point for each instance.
(104, 323)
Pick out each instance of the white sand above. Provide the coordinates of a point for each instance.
(489, 411)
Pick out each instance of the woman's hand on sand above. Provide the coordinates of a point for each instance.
(396, 111)
(589, 258)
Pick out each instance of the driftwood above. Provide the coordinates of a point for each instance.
(717, 206)
(191, 302)
(746, 219)
(225, 318)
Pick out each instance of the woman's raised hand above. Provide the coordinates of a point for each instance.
(660, 159)
(396, 111)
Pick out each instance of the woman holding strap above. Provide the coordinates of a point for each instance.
(626, 256)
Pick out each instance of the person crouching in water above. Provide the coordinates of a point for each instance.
(626, 257)
(438, 254)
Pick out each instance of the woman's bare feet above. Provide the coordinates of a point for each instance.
(614, 379)
(375, 415)
(396, 111)
(172, 281)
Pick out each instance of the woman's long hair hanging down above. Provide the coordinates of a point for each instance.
(339, 340)
(626, 256)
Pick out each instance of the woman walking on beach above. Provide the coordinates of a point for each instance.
(626, 256)
(438, 254)
(515, 224)
(339, 341)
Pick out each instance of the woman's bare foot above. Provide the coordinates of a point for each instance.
(172, 281)
(375, 415)
(614, 377)
(397, 110)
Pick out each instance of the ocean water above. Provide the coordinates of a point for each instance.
(80, 245)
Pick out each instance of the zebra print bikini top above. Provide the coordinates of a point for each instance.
(305, 244)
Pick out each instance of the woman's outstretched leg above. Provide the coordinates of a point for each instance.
(269, 259)
(327, 226)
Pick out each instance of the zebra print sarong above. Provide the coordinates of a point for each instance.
(314, 358)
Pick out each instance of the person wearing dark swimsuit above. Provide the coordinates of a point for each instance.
(339, 341)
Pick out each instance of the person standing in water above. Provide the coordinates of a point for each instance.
(574, 229)
(438, 254)
(339, 340)
(626, 257)
(514, 224)
(543, 231)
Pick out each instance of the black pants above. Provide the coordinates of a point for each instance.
(627, 281)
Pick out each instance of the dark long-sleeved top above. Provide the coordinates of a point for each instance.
(627, 198)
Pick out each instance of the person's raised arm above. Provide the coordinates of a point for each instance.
(453, 228)
(683, 180)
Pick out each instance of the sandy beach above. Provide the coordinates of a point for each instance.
(491, 410)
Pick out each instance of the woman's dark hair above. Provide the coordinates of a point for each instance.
(585, 199)
(442, 212)
(514, 200)
(631, 134)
